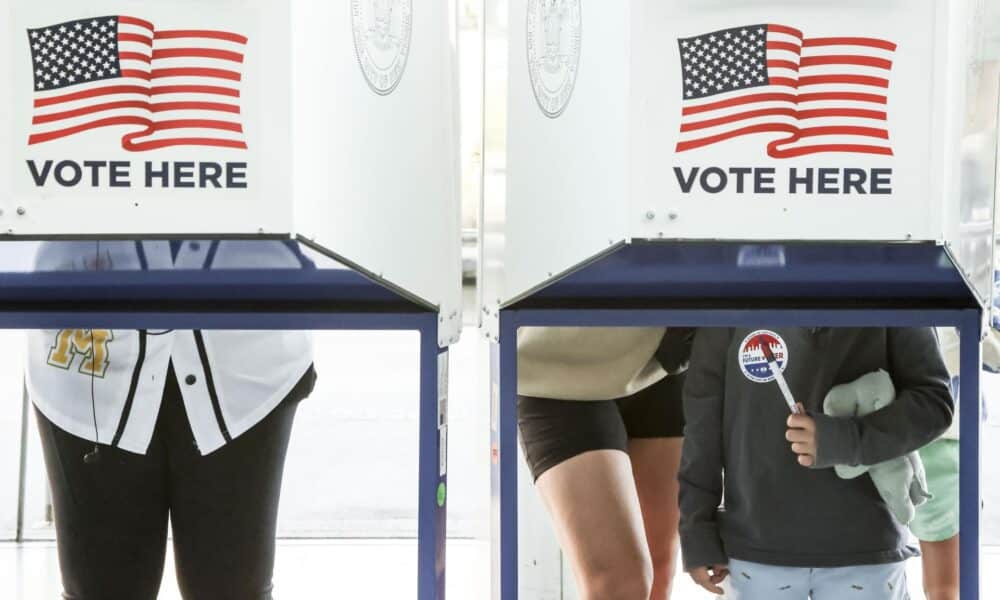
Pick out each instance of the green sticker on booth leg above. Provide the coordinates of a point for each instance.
(442, 493)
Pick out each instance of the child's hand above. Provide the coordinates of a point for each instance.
(802, 434)
(710, 577)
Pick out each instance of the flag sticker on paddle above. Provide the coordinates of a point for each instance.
(803, 95)
(164, 88)
(754, 361)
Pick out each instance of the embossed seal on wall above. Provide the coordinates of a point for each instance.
(382, 33)
(554, 38)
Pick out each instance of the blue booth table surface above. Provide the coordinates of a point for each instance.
(322, 294)
(751, 284)
(691, 273)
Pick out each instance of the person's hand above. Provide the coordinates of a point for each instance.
(710, 577)
(802, 434)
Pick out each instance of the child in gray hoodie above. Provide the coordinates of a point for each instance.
(788, 526)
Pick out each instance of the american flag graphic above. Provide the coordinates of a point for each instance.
(168, 88)
(825, 94)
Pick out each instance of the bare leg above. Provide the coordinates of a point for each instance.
(595, 509)
(940, 564)
(655, 462)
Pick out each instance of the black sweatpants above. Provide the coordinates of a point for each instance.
(111, 515)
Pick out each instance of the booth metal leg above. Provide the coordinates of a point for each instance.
(433, 490)
(970, 467)
(503, 440)
(22, 469)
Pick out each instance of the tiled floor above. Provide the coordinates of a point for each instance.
(349, 570)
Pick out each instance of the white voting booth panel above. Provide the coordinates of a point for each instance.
(748, 120)
(376, 167)
(335, 121)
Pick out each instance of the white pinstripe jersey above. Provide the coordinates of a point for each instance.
(229, 380)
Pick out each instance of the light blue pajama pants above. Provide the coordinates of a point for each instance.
(753, 581)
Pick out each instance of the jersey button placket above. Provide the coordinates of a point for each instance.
(190, 380)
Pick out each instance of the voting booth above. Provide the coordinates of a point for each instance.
(326, 128)
(693, 163)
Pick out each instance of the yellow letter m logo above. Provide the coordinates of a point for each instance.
(90, 344)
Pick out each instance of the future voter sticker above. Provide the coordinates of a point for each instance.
(382, 33)
(753, 361)
(554, 39)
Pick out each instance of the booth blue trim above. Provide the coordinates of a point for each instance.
(252, 299)
(751, 271)
(745, 285)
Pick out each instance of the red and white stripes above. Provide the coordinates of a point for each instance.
(824, 95)
(175, 88)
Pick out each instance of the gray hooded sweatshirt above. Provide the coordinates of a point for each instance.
(773, 510)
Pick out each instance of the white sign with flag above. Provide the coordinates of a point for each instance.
(792, 121)
(146, 117)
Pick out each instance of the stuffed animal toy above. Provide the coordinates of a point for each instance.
(901, 482)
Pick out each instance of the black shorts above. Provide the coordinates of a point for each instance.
(553, 431)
